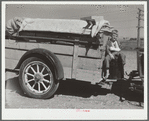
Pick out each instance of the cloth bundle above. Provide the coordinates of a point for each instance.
(13, 26)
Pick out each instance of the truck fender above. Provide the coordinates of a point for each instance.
(47, 55)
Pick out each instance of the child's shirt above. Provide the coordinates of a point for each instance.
(112, 46)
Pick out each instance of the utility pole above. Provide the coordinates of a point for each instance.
(139, 20)
(140, 14)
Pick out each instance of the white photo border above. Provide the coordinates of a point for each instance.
(62, 114)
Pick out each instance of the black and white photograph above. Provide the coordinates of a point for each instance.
(74, 60)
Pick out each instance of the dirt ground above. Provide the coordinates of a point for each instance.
(71, 95)
(76, 95)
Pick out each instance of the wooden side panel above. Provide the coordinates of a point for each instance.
(65, 60)
(89, 64)
(11, 43)
(67, 72)
(10, 63)
(20, 45)
(28, 46)
(89, 53)
(55, 48)
(75, 60)
(62, 49)
(13, 54)
(88, 75)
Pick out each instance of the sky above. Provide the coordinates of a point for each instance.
(121, 16)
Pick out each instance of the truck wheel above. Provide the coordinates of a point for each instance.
(37, 79)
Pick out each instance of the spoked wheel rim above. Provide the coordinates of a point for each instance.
(38, 77)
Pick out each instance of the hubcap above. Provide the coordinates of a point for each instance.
(38, 77)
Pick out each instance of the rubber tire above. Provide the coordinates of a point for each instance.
(46, 95)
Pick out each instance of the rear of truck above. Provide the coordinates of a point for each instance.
(45, 51)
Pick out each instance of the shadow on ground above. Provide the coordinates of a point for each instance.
(12, 84)
(67, 87)
(121, 89)
(81, 89)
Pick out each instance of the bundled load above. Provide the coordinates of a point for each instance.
(13, 26)
(86, 26)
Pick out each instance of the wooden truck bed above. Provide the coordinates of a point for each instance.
(79, 58)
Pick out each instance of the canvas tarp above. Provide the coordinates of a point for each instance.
(57, 25)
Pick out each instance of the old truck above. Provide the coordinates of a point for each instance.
(45, 51)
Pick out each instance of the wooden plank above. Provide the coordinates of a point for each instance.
(65, 60)
(11, 43)
(88, 75)
(55, 48)
(13, 54)
(20, 45)
(11, 63)
(67, 72)
(89, 64)
(28, 46)
(89, 53)
(62, 49)
(75, 60)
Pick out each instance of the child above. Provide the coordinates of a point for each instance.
(112, 49)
